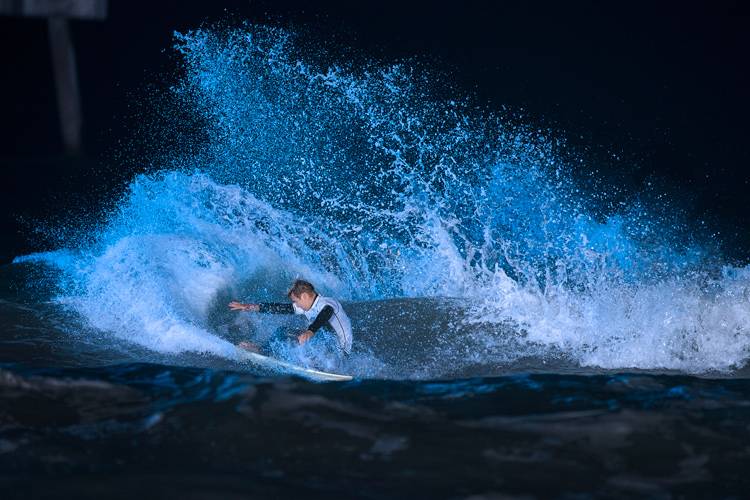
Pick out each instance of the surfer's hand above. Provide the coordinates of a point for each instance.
(248, 346)
(236, 306)
(305, 337)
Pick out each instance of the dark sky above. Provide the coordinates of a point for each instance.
(664, 83)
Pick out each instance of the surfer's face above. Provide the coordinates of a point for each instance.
(304, 300)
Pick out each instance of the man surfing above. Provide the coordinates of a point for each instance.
(321, 311)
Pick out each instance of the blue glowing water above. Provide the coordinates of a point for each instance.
(374, 185)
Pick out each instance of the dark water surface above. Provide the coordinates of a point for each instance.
(161, 431)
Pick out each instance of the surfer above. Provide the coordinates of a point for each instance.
(320, 310)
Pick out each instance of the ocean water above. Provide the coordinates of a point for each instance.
(518, 332)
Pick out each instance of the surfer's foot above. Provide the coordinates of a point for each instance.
(248, 346)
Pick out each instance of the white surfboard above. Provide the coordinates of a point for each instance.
(283, 366)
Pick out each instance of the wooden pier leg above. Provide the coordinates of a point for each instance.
(66, 82)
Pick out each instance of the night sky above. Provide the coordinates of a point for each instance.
(660, 85)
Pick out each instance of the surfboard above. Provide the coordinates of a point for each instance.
(284, 367)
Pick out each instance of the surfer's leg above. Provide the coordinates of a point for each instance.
(279, 338)
(284, 334)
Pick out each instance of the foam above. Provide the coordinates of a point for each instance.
(366, 183)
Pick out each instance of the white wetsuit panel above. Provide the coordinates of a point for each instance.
(339, 321)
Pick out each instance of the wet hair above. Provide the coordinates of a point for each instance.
(299, 287)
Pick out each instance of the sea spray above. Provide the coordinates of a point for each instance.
(376, 184)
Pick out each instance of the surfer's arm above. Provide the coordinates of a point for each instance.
(263, 307)
(275, 308)
(236, 306)
(323, 317)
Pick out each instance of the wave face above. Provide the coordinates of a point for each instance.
(387, 189)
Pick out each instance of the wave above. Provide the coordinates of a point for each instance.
(377, 183)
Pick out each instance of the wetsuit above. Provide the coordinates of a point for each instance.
(324, 310)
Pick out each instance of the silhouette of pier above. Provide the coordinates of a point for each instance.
(58, 13)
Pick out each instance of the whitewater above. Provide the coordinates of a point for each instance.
(379, 185)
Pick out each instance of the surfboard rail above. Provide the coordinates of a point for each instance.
(283, 366)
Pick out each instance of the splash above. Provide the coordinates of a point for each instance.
(378, 182)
